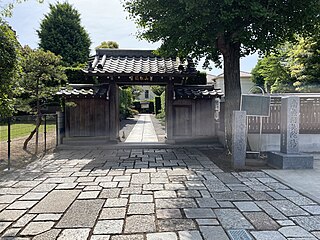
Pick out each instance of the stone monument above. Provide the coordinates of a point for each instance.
(239, 139)
(289, 156)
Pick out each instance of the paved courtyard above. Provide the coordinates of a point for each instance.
(149, 194)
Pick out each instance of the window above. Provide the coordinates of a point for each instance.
(146, 94)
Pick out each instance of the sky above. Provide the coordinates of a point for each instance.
(104, 20)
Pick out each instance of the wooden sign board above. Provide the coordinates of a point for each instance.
(255, 105)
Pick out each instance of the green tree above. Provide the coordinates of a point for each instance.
(109, 44)
(225, 29)
(61, 33)
(272, 71)
(304, 61)
(42, 76)
(158, 90)
(8, 67)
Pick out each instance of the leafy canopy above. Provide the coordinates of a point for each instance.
(197, 26)
(8, 67)
(294, 67)
(61, 33)
(108, 44)
(42, 75)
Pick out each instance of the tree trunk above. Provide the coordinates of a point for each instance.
(38, 123)
(231, 59)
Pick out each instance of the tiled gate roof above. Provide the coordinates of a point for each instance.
(131, 62)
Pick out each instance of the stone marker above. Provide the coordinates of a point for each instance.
(239, 139)
(289, 156)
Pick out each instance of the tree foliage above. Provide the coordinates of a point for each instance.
(8, 67)
(292, 68)
(158, 90)
(108, 44)
(61, 33)
(41, 77)
(225, 29)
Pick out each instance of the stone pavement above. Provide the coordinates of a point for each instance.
(143, 131)
(149, 194)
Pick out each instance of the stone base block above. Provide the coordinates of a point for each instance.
(290, 161)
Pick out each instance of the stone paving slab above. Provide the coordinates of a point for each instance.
(56, 201)
(149, 193)
(82, 213)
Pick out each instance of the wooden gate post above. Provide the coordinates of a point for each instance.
(114, 112)
(169, 111)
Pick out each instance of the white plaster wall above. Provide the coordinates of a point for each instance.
(271, 142)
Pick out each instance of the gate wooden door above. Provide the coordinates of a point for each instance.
(182, 122)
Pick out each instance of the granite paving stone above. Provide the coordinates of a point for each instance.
(140, 224)
(35, 228)
(33, 196)
(314, 209)
(8, 198)
(4, 225)
(165, 194)
(24, 220)
(89, 195)
(22, 205)
(51, 234)
(168, 213)
(213, 233)
(141, 208)
(110, 193)
(168, 225)
(82, 213)
(232, 219)
(207, 222)
(294, 231)
(231, 196)
(141, 199)
(310, 223)
(188, 193)
(270, 210)
(199, 213)
(261, 221)
(74, 234)
(190, 235)
(176, 203)
(162, 236)
(301, 200)
(247, 206)
(288, 208)
(100, 237)
(56, 201)
(108, 227)
(268, 235)
(48, 217)
(11, 215)
(127, 237)
(113, 213)
(116, 202)
(284, 223)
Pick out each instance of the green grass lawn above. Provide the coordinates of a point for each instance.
(22, 130)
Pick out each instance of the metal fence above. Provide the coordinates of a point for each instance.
(309, 117)
(13, 133)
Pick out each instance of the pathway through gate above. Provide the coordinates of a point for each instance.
(143, 131)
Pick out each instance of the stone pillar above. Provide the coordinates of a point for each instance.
(289, 156)
(289, 129)
(239, 139)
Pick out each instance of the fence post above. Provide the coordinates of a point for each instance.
(9, 142)
(45, 133)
